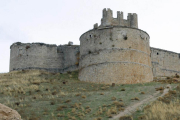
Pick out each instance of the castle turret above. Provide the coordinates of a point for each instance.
(108, 20)
(132, 19)
(120, 18)
(107, 17)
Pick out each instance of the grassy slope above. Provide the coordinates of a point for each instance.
(39, 95)
(164, 108)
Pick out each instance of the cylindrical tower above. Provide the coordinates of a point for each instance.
(115, 54)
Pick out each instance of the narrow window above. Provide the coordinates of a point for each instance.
(125, 37)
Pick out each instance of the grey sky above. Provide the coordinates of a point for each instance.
(60, 21)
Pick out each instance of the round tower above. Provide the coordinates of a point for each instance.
(115, 52)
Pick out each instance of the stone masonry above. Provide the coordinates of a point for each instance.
(116, 51)
(42, 56)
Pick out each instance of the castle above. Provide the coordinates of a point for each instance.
(116, 51)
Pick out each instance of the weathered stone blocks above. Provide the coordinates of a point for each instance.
(115, 55)
(44, 57)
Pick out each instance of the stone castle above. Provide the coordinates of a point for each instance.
(116, 51)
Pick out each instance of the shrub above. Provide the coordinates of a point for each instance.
(67, 101)
(60, 115)
(78, 94)
(119, 104)
(103, 88)
(120, 109)
(160, 88)
(83, 96)
(136, 98)
(77, 63)
(54, 93)
(177, 76)
(113, 84)
(61, 108)
(113, 98)
(123, 89)
(126, 118)
(52, 102)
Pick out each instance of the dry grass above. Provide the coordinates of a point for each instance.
(126, 118)
(83, 96)
(118, 104)
(135, 98)
(162, 111)
(165, 108)
(42, 95)
(113, 98)
(160, 88)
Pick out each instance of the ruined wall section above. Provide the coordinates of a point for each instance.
(165, 63)
(40, 56)
(115, 55)
(70, 57)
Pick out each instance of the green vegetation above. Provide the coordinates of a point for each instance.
(39, 95)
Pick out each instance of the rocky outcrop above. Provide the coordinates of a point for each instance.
(7, 113)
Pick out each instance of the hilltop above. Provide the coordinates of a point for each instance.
(39, 95)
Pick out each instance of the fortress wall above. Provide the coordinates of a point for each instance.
(70, 57)
(40, 56)
(115, 55)
(165, 63)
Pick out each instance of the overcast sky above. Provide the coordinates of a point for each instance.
(60, 21)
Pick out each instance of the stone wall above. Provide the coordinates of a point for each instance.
(165, 63)
(114, 52)
(43, 56)
(115, 55)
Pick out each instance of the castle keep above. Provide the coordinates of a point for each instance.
(116, 51)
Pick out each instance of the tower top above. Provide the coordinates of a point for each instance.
(108, 20)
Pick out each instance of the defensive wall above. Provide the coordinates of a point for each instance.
(66, 58)
(116, 51)
(42, 56)
(165, 63)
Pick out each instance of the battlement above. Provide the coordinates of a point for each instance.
(108, 20)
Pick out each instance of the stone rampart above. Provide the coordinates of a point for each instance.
(44, 56)
(165, 63)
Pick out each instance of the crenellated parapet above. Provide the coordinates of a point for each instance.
(108, 20)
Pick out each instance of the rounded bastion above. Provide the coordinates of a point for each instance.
(115, 54)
